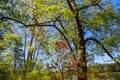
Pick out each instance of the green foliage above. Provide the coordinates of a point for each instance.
(8, 37)
(29, 50)
(35, 75)
(1, 43)
(5, 72)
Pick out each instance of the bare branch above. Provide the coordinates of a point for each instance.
(98, 42)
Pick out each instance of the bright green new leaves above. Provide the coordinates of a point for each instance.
(38, 75)
(112, 40)
(31, 48)
(4, 71)
(99, 20)
(1, 26)
(12, 39)
(50, 10)
(86, 2)
(4, 25)
(1, 43)
(68, 14)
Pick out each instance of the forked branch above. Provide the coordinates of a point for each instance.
(103, 47)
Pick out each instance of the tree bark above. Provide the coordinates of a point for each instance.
(81, 46)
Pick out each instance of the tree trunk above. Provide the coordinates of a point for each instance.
(80, 42)
(29, 62)
(81, 46)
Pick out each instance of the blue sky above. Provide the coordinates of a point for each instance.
(116, 1)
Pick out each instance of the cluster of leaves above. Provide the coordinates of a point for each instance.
(61, 45)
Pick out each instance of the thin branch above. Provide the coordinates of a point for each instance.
(62, 25)
(70, 6)
(93, 39)
(59, 21)
(39, 25)
(98, 42)
(47, 23)
(8, 18)
(101, 8)
(94, 3)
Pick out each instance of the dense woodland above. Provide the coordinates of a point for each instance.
(56, 39)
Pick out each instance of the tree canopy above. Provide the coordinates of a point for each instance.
(55, 39)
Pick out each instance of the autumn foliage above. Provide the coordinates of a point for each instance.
(61, 45)
(59, 77)
(74, 63)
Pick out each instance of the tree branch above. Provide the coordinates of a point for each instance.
(94, 3)
(101, 8)
(47, 23)
(98, 42)
(70, 6)
(8, 18)
(62, 25)
(39, 24)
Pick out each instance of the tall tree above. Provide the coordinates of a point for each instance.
(77, 21)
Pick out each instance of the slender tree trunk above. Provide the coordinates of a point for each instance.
(25, 46)
(30, 53)
(14, 69)
(15, 60)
